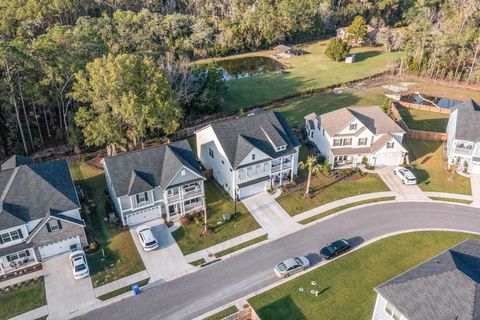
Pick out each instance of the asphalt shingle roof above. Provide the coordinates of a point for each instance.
(16, 161)
(444, 287)
(29, 191)
(143, 170)
(239, 136)
(468, 121)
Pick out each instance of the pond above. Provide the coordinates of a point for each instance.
(427, 101)
(248, 67)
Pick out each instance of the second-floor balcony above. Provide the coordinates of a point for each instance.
(464, 148)
(142, 204)
(184, 192)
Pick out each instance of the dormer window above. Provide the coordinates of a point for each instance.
(281, 148)
(182, 172)
(253, 156)
(353, 126)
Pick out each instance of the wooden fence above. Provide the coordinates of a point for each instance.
(245, 314)
(424, 108)
(188, 132)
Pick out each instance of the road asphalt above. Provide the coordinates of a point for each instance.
(226, 281)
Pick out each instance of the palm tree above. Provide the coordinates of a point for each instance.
(313, 167)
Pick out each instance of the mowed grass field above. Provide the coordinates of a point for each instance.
(346, 284)
(313, 70)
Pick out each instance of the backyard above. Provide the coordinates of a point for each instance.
(118, 256)
(190, 238)
(327, 189)
(424, 120)
(428, 165)
(313, 70)
(22, 300)
(346, 284)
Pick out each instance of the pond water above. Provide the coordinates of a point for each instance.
(248, 67)
(427, 101)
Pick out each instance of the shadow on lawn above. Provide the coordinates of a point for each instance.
(284, 308)
(422, 175)
(362, 56)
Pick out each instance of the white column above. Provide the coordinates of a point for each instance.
(2, 271)
(34, 255)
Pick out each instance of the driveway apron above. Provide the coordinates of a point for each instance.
(270, 215)
(167, 262)
(402, 191)
(65, 295)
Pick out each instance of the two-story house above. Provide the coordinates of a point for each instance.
(463, 144)
(164, 181)
(39, 212)
(348, 136)
(444, 287)
(249, 155)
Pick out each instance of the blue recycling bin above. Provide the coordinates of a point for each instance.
(135, 288)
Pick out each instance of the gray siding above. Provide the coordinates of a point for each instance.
(179, 179)
(157, 194)
(125, 202)
(69, 230)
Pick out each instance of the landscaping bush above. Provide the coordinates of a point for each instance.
(337, 49)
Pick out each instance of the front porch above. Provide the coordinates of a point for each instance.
(18, 260)
(279, 178)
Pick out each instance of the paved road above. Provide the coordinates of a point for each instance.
(229, 280)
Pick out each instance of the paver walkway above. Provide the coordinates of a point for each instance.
(167, 262)
(475, 181)
(402, 191)
(270, 215)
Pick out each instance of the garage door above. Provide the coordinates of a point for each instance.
(143, 216)
(388, 159)
(475, 167)
(58, 247)
(253, 189)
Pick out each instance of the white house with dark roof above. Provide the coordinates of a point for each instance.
(463, 144)
(39, 212)
(150, 183)
(347, 136)
(249, 154)
(445, 287)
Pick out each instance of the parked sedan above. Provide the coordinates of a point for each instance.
(405, 175)
(79, 264)
(147, 239)
(335, 249)
(290, 266)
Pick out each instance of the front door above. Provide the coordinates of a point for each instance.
(174, 209)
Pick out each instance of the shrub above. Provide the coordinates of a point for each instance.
(337, 49)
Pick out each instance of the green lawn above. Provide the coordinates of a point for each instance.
(326, 189)
(120, 291)
(424, 120)
(222, 314)
(22, 300)
(198, 262)
(346, 284)
(310, 71)
(119, 248)
(346, 206)
(189, 237)
(241, 246)
(452, 200)
(428, 166)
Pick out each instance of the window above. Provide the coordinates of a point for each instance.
(311, 134)
(396, 314)
(231, 170)
(390, 145)
(362, 141)
(353, 126)
(340, 158)
(18, 255)
(392, 311)
(210, 152)
(53, 225)
(258, 169)
(11, 236)
(182, 172)
(389, 308)
(253, 156)
(223, 162)
(347, 141)
(142, 197)
(337, 142)
(323, 132)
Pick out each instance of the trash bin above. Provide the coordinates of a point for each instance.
(135, 288)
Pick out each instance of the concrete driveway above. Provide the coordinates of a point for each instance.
(65, 295)
(167, 262)
(270, 215)
(475, 182)
(402, 191)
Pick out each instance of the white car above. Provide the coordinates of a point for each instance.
(147, 239)
(79, 264)
(405, 175)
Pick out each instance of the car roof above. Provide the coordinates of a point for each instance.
(290, 262)
(340, 242)
(409, 174)
(147, 235)
(142, 228)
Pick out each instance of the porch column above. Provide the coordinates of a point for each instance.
(281, 176)
(204, 205)
(291, 175)
(2, 271)
(34, 255)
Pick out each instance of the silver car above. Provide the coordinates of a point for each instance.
(290, 266)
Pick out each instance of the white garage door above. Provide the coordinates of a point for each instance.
(475, 167)
(253, 189)
(58, 247)
(142, 216)
(388, 159)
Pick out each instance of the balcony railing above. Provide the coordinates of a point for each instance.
(252, 177)
(276, 167)
(463, 151)
(185, 194)
(142, 204)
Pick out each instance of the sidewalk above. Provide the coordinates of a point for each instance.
(448, 195)
(33, 314)
(334, 204)
(475, 181)
(121, 283)
(225, 245)
(19, 279)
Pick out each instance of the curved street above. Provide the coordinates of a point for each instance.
(225, 281)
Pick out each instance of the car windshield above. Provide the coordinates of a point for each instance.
(151, 243)
(282, 267)
(80, 267)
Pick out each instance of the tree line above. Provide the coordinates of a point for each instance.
(114, 72)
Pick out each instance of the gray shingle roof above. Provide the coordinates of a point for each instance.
(468, 121)
(143, 170)
(16, 161)
(444, 287)
(239, 136)
(29, 191)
